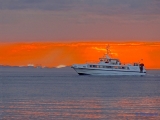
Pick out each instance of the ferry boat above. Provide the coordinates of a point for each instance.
(109, 66)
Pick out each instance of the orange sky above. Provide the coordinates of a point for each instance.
(54, 54)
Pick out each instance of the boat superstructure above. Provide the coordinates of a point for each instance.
(109, 66)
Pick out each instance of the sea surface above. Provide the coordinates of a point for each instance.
(61, 94)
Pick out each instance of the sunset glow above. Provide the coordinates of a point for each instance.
(57, 54)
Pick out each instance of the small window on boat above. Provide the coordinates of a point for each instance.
(115, 67)
(95, 66)
(119, 67)
(108, 67)
(91, 66)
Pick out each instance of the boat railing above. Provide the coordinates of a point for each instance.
(130, 64)
(92, 62)
(122, 64)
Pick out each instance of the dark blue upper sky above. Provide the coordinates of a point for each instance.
(76, 20)
(96, 6)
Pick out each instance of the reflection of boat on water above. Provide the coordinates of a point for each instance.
(109, 66)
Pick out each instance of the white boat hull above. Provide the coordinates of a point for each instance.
(86, 71)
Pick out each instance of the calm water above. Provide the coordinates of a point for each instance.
(61, 94)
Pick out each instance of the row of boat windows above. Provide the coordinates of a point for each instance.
(102, 66)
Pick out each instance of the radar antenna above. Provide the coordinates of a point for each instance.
(108, 51)
(107, 48)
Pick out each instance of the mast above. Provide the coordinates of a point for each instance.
(107, 48)
(108, 51)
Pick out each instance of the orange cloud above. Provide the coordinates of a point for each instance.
(55, 54)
